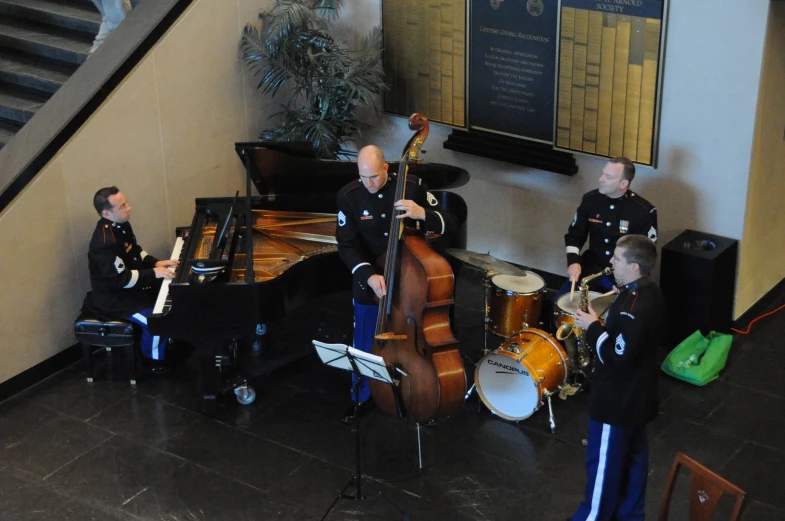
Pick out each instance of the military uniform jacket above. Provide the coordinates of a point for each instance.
(120, 271)
(364, 226)
(624, 385)
(604, 221)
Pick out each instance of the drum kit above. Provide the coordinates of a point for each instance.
(531, 365)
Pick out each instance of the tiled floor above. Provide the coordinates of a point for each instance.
(73, 451)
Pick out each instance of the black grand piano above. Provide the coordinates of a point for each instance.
(252, 260)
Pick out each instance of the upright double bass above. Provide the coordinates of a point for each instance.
(413, 332)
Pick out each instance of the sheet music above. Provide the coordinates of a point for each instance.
(338, 355)
(333, 355)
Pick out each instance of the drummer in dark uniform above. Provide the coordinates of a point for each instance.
(623, 397)
(604, 215)
(365, 210)
(125, 279)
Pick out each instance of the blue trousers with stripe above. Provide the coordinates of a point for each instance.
(152, 347)
(617, 463)
(364, 330)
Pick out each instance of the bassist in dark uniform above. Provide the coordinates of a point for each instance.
(365, 207)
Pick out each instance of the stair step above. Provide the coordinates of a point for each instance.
(45, 41)
(7, 131)
(18, 106)
(30, 73)
(75, 17)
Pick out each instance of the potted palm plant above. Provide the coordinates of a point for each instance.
(326, 83)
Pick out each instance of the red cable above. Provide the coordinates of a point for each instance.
(760, 317)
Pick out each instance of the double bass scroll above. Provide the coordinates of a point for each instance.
(413, 332)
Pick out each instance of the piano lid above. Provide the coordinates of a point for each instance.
(280, 168)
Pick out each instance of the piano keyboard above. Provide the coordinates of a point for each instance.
(163, 303)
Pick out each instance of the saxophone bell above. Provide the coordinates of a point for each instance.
(564, 331)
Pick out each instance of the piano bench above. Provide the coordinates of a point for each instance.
(91, 331)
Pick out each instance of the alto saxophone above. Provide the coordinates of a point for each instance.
(566, 329)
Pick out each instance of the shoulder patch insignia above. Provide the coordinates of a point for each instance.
(574, 219)
(432, 200)
(653, 234)
(620, 345)
(341, 218)
(119, 265)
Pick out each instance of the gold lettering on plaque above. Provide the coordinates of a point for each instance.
(425, 58)
(607, 81)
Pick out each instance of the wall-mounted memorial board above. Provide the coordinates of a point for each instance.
(512, 67)
(610, 56)
(425, 59)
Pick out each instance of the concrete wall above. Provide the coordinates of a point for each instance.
(760, 258)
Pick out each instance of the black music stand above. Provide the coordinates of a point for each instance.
(360, 364)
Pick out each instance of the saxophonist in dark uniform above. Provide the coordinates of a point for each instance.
(624, 386)
(365, 208)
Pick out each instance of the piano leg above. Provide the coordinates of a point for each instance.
(218, 363)
(209, 349)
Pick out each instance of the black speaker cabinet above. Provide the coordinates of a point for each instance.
(698, 278)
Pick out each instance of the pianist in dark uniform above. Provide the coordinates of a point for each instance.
(604, 215)
(365, 207)
(124, 277)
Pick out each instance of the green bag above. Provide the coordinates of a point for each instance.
(699, 359)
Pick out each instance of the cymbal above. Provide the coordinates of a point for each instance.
(601, 304)
(486, 262)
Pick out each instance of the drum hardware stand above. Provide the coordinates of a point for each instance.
(419, 448)
(551, 421)
(469, 392)
(486, 283)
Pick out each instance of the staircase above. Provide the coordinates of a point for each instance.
(42, 42)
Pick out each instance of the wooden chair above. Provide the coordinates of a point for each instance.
(706, 489)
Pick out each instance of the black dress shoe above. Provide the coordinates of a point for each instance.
(155, 366)
(355, 411)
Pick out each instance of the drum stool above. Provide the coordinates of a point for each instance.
(91, 331)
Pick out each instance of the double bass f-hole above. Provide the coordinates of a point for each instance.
(412, 323)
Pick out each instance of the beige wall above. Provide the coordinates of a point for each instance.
(165, 136)
(760, 259)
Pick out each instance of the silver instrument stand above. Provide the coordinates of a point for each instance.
(486, 283)
(551, 419)
(419, 447)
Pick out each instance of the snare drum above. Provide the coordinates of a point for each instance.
(515, 301)
(512, 380)
(565, 310)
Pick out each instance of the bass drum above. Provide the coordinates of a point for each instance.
(512, 380)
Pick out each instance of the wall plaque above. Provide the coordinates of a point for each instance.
(425, 58)
(512, 67)
(610, 55)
